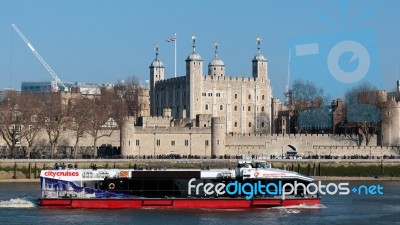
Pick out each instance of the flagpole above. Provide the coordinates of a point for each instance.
(175, 53)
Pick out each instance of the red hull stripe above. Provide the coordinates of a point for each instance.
(173, 203)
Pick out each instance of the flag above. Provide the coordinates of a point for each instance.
(173, 38)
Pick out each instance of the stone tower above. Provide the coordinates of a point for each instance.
(128, 147)
(194, 73)
(156, 74)
(216, 67)
(218, 133)
(391, 123)
(260, 63)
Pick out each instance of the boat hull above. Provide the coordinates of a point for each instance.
(218, 203)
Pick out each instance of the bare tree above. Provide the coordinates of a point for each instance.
(304, 98)
(30, 107)
(363, 104)
(128, 91)
(53, 119)
(79, 124)
(99, 112)
(10, 120)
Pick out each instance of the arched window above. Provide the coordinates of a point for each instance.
(235, 96)
(249, 124)
(249, 108)
(262, 97)
(221, 107)
(235, 108)
(206, 107)
(235, 124)
(249, 96)
(262, 124)
(262, 108)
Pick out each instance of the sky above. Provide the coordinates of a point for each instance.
(334, 44)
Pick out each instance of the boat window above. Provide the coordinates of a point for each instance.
(260, 165)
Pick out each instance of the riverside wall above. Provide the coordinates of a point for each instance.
(386, 168)
(198, 141)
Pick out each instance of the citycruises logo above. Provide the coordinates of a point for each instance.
(249, 190)
(62, 173)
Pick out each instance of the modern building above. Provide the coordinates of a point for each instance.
(4, 92)
(41, 86)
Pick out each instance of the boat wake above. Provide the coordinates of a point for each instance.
(17, 203)
(303, 206)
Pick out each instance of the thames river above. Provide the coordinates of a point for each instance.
(18, 206)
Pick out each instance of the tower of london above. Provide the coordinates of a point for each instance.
(244, 102)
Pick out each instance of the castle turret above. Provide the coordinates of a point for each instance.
(260, 63)
(218, 134)
(128, 147)
(216, 67)
(156, 74)
(391, 123)
(194, 73)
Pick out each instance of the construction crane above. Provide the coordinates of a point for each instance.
(54, 84)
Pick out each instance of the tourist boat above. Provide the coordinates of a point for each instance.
(250, 185)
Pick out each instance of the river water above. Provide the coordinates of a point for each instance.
(18, 206)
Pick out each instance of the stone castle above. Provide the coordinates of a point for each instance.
(217, 115)
(244, 102)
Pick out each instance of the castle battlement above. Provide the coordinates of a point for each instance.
(241, 79)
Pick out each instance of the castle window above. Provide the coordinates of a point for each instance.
(262, 124)
(262, 97)
(235, 96)
(204, 94)
(235, 108)
(158, 142)
(173, 143)
(206, 107)
(249, 108)
(235, 124)
(156, 76)
(262, 108)
(215, 68)
(221, 107)
(249, 124)
(186, 142)
(206, 142)
(249, 96)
